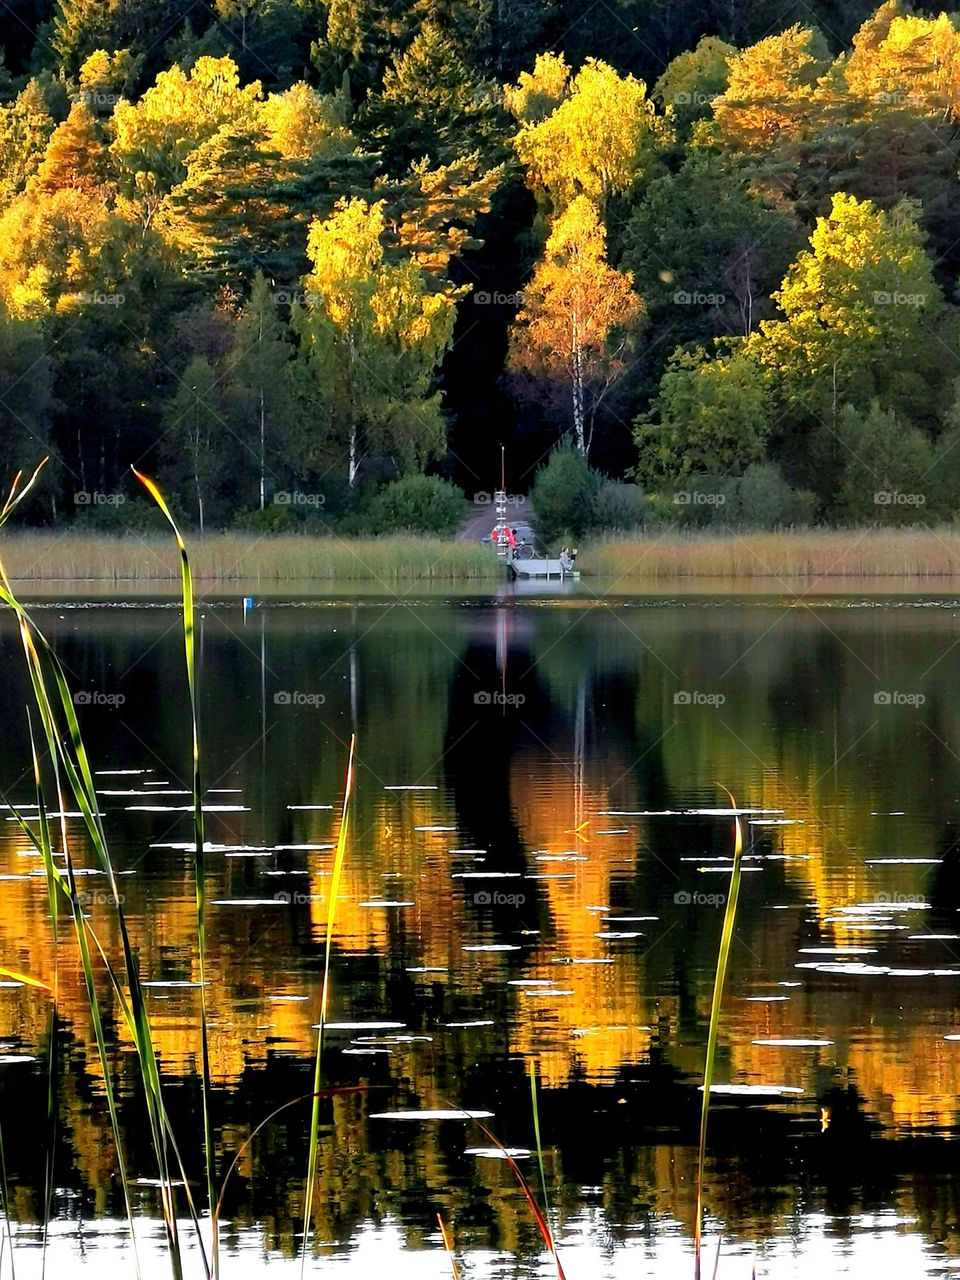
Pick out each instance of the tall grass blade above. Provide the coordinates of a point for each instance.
(5, 1195)
(48, 1173)
(338, 860)
(536, 1134)
(24, 979)
(199, 857)
(716, 1260)
(258, 1129)
(448, 1245)
(66, 749)
(17, 494)
(723, 958)
(542, 1224)
(53, 901)
(62, 884)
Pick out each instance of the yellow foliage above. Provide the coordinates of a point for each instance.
(575, 303)
(539, 92)
(302, 124)
(773, 88)
(598, 141)
(172, 119)
(904, 60)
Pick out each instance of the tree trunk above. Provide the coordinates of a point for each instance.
(196, 475)
(353, 465)
(263, 464)
(263, 418)
(80, 458)
(578, 417)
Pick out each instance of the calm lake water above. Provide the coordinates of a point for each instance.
(535, 873)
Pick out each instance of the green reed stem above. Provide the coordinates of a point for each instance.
(338, 860)
(723, 958)
(199, 860)
(536, 1133)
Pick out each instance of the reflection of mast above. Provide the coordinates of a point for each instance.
(579, 751)
(503, 650)
(353, 676)
(263, 705)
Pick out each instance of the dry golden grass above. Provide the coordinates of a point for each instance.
(225, 558)
(818, 553)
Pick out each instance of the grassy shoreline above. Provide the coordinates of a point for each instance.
(859, 555)
(810, 554)
(246, 558)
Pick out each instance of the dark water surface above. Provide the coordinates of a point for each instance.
(534, 874)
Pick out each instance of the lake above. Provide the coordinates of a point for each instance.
(536, 873)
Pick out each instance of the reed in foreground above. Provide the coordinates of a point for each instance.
(723, 959)
(789, 554)
(61, 765)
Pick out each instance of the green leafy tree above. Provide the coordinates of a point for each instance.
(767, 501)
(887, 470)
(106, 77)
(563, 497)
(266, 38)
(26, 392)
(705, 251)
(155, 137)
(359, 39)
(258, 385)
(199, 457)
(710, 416)
(250, 191)
(420, 504)
(861, 309)
(79, 27)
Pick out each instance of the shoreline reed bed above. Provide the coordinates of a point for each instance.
(811, 553)
(227, 558)
(230, 557)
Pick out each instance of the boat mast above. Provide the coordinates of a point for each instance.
(500, 502)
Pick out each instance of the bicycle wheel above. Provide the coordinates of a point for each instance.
(523, 552)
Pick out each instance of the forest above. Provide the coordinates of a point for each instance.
(290, 254)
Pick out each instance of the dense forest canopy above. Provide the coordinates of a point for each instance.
(275, 247)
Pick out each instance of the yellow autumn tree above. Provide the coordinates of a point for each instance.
(773, 89)
(373, 333)
(902, 60)
(601, 138)
(156, 136)
(538, 92)
(302, 124)
(579, 317)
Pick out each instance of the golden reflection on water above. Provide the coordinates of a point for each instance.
(842, 787)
